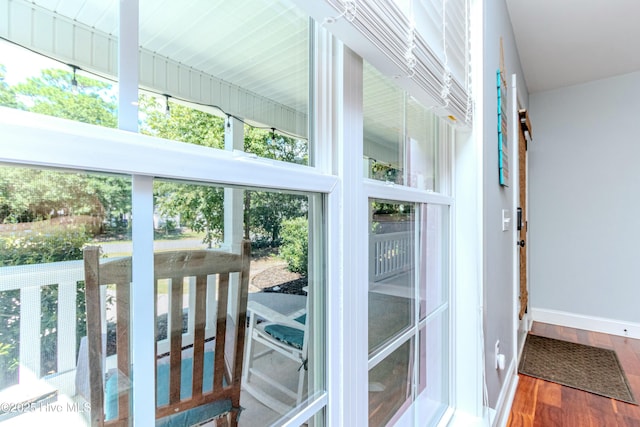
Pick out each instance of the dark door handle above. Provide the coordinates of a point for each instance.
(521, 243)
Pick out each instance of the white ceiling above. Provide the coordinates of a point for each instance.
(260, 46)
(567, 42)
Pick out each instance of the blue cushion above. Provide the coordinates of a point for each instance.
(195, 415)
(288, 335)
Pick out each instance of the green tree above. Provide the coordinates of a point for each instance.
(26, 194)
(7, 95)
(295, 244)
(268, 144)
(267, 211)
(53, 93)
(199, 207)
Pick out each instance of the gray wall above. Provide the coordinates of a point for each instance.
(585, 199)
(499, 297)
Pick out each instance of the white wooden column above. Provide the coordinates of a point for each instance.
(352, 241)
(142, 299)
(233, 206)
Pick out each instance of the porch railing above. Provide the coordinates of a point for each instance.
(30, 279)
(392, 255)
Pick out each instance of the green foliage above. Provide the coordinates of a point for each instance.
(9, 336)
(271, 145)
(53, 94)
(28, 195)
(295, 244)
(49, 329)
(200, 207)
(268, 211)
(181, 124)
(39, 248)
(7, 95)
(36, 248)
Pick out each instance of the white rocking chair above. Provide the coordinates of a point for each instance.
(286, 335)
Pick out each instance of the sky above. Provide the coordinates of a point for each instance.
(21, 63)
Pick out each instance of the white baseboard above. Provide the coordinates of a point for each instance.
(589, 323)
(500, 417)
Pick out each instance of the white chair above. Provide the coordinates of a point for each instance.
(285, 334)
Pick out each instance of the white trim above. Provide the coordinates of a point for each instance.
(500, 415)
(462, 419)
(390, 191)
(588, 323)
(467, 346)
(298, 417)
(325, 109)
(128, 65)
(514, 141)
(143, 316)
(352, 240)
(82, 146)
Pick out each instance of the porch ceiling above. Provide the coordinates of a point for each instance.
(189, 35)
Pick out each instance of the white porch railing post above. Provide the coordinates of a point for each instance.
(30, 310)
(393, 253)
(67, 326)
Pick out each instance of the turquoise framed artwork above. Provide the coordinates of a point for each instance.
(503, 140)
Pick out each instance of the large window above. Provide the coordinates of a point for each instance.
(408, 309)
(242, 135)
(408, 282)
(48, 218)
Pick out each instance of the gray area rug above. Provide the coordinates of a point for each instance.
(592, 369)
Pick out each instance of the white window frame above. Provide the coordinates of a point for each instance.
(63, 144)
(336, 146)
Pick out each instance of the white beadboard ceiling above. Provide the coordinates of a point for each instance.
(567, 42)
(259, 46)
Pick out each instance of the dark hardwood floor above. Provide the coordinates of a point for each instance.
(546, 404)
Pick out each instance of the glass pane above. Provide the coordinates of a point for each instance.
(433, 385)
(422, 138)
(383, 109)
(400, 135)
(47, 218)
(246, 62)
(282, 360)
(391, 270)
(49, 65)
(434, 278)
(390, 384)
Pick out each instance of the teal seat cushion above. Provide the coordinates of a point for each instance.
(288, 335)
(186, 418)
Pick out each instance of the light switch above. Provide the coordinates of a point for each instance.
(506, 220)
